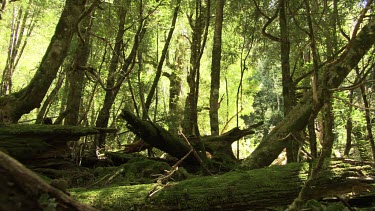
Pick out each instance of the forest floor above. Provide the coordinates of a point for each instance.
(136, 185)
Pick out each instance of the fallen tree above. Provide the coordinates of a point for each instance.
(22, 189)
(28, 143)
(258, 189)
(177, 146)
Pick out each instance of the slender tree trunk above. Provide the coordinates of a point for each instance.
(17, 44)
(370, 135)
(287, 81)
(349, 126)
(215, 69)
(103, 117)
(272, 145)
(50, 99)
(76, 74)
(175, 86)
(326, 152)
(114, 85)
(312, 138)
(162, 59)
(13, 106)
(199, 27)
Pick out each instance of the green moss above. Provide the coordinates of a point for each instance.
(272, 186)
(194, 193)
(114, 198)
(136, 171)
(231, 187)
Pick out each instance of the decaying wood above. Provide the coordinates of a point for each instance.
(25, 142)
(262, 188)
(175, 145)
(157, 136)
(259, 189)
(22, 189)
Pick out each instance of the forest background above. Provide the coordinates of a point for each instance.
(198, 68)
(251, 75)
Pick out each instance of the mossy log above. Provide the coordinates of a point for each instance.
(25, 142)
(157, 136)
(22, 189)
(176, 146)
(274, 186)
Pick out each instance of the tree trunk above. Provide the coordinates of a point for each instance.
(76, 73)
(289, 98)
(22, 189)
(215, 69)
(156, 136)
(175, 86)
(370, 136)
(161, 61)
(176, 146)
(349, 126)
(13, 106)
(199, 29)
(114, 84)
(274, 143)
(42, 146)
(49, 100)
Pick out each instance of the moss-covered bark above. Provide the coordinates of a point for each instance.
(28, 142)
(22, 189)
(155, 135)
(238, 190)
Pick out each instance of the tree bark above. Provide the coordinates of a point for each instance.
(156, 136)
(23, 189)
(27, 143)
(176, 146)
(14, 106)
(76, 73)
(49, 99)
(199, 35)
(370, 136)
(289, 97)
(273, 144)
(215, 69)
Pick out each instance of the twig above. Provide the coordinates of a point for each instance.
(101, 179)
(161, 181)
(196, 154)
(115, 175)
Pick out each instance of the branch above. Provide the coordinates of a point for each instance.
(269, 21)
(354, 105)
